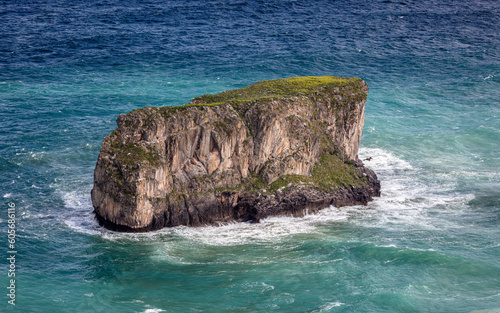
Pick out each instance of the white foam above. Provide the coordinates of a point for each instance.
(260, 287)
(488, 176)
(37, 155)
(272, 229)
(79, 216)
(153, 311)
(74, 199)
(382, 160)
(407, 199)
(84, 224)
(7, 195)
(330, 305)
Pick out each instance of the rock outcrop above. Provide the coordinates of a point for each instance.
(277, 147)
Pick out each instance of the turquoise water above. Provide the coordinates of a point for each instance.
(430, 243)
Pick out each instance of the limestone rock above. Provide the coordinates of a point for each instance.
(277, 147)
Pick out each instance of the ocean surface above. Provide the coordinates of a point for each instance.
(430, 243)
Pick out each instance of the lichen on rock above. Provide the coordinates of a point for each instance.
(277, 147)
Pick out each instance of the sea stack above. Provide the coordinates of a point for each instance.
(277, 147)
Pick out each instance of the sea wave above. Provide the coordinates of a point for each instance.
(411, 198)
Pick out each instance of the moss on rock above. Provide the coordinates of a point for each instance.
(289, 87)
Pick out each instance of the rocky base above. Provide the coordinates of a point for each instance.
(251, 207)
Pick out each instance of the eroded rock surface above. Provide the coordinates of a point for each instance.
(277, 147)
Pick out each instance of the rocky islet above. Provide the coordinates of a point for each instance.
(278, 147)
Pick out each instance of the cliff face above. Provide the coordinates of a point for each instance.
(273, 148)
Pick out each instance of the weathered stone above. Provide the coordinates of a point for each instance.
(274, 148)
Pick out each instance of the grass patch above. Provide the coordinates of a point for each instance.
(347, 89)
(338, 91)
(295, 86)
(132, 154)
(328, 173)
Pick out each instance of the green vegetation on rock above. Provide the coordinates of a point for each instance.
(329, 173)
(289, 87)
(132, 153)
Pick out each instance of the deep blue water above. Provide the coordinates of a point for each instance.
(431, 243)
